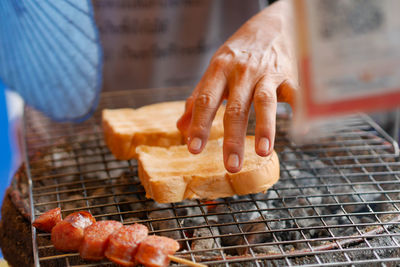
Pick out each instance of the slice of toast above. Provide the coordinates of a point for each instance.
(173, 174)
(152, 125)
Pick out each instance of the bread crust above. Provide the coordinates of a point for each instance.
(166, 191)
(152, 125)
(258, 174)
(256, 180)
(119, 142)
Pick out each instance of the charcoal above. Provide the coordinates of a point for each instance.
(293, 172)
(275, 222)
(243, 211)
(368, 219)
(370, 189)
(288, 155)
(316, 198)
(266, 249)
(311, 192)
(359, 255)
(129, 183)
(229, 217)
(45, 199)
(162, 222)
(61, 158)
(255, 233)
(208, 243)
(271, 194)
(103, 201)
(193, 211)
(74, 202)
(131, 206)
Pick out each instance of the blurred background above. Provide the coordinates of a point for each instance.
(121, 45)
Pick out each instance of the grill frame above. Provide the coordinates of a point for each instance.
(383, 148)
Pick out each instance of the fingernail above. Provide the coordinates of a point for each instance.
(233, 161)
(263, 145)
(195, 144)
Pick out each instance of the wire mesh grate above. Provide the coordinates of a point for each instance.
(336, 203)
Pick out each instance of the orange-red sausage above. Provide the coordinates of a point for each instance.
(68, 234)
(154, 251)
(123, 244)
(81, 219)
(96, 239)
(48, 220)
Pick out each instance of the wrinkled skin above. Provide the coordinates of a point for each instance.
(255, 65)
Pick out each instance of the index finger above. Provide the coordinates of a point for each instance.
(205, 104)
(184, 121)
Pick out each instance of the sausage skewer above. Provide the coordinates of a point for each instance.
(154, 251)
(96, 239)
(68, 234)
(124, 245)
(185, 261)
(48, 220)
(157, 251)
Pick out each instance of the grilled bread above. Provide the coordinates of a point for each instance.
(152, 125)
(173, 174)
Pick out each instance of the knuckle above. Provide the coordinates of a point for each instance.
(205, 101)
(247, 65)
(233, 143)
(235, 110)
(199, 129)
(190, 99)
(189, 102)
(219, 62)
(253, 65)
(241, 67)
(263, 97)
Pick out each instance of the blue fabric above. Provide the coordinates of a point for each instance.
(51, 55)
(5, 147)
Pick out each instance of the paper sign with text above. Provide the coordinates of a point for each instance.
(349, 56)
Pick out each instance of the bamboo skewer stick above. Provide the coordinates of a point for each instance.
(184, 261)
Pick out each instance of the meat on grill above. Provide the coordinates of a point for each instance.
(48, 220)
(123, 244)
(68, 234)
(96, 238)
(81, 219)
(154, 251)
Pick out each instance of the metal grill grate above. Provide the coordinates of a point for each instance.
(337, 201)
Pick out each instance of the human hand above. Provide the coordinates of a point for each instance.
(256, 64)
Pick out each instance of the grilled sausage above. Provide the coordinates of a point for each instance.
(154, 251)
(123, 244)
(48, 220)
(96, 239)
(67, 235)
(80, 219)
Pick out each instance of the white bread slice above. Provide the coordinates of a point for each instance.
(173, 174)
(152, 125)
